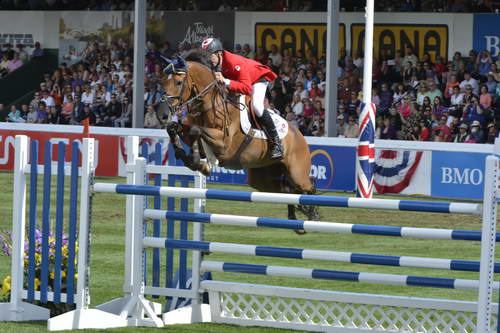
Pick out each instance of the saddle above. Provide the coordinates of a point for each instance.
(249, 122)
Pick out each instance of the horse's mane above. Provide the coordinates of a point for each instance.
(198, 56)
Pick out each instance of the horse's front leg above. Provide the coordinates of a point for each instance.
(197, 164)
(173, 130)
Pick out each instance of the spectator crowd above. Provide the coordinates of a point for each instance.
(98, 87)
(258, 5)
(425, 99)
(12, 58)
(417, 98)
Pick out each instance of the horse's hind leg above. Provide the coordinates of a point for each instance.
(298, 175)
(272, 179)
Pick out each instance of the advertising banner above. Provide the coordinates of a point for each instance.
(106, 148)
(77, 29)
(296, 36)
(25, 29)
(389, 38)
(457, 175)
(486, 33)
(332, 167)
(189, 28)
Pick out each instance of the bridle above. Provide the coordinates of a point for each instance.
(191, 101)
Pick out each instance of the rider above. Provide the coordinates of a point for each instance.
(247, 77)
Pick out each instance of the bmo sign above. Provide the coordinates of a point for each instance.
(486, 33)
(466, 176)
(457, 175)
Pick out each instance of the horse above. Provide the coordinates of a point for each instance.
(213, 130)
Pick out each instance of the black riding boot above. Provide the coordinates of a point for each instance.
(275, 151)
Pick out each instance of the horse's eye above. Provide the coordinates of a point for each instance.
(178, 83)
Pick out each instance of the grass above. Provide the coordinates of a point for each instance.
(108, 222)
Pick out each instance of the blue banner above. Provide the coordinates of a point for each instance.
(333, 168)
(457, 175)
(486, 33)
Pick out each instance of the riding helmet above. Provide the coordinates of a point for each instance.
(212, 45)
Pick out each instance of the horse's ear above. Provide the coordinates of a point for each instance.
(165, 60)
(181, 64)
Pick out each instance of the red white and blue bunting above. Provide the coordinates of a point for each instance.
(395, 169)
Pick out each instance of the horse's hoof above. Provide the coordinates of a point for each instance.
(300, 232)
(205, 170)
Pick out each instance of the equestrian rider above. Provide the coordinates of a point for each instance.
(247, 77)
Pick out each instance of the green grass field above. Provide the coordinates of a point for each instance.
(107, 254)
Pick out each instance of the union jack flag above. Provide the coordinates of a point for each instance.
(365, 164)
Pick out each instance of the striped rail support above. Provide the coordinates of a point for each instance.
(143, 273)
(57, 282)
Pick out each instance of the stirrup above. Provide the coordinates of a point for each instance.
(276, 151)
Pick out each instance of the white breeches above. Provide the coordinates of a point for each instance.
(258, 95)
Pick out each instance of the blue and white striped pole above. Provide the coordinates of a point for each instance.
(317, 226)
(311, 273)
(334, 256)
(294, 199)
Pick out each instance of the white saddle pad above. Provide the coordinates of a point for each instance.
(280, 123)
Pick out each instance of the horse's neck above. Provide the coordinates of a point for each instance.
(215, 113)
(219, 114)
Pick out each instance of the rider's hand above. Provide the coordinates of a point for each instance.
(219, 77)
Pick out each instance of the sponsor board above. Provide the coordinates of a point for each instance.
(105, 160)
(486, 33)
(190, 28)
(296, 36)
(389, 38)
(78, 29)
(457, 175)
(333, 167)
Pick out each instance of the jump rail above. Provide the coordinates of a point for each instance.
(335, 256)
(317, 226)
(294, 199)
(229, 307)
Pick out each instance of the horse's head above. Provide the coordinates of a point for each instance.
(176, 82)
(187, 82)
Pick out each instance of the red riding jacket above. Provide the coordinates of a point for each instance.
(243, 72)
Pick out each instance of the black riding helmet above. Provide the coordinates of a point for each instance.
(212, 45)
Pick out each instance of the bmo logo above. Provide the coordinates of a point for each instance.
(466, 176)
(457, 175)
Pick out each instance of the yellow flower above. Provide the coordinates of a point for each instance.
(64, 251)
(6, 285)
(38, 258)
(63, 274)
(52, 275)
(37, 283)
(52, 240)
(76, 276)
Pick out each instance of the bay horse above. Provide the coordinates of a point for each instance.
(213, 129)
